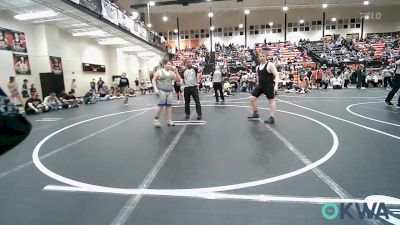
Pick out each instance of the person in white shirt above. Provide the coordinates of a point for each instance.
(337, 82)
(52, 102)
(387, 75)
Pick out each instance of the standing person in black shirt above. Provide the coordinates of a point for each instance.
(100, 84)
(137, 84)
(124, 85)
(265, 84)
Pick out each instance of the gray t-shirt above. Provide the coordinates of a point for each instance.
(217, 76)
(190, 76)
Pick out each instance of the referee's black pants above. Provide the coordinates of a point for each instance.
(192, 91)
(218, 88)
(395, 88)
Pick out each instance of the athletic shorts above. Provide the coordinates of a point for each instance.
(124, 89)
(165, 98)
(268, 91)
(177, 89)
(319, 81)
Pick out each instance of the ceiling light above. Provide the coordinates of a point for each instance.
(36, 15)
(212, 28)
(246, 11)
(366, 2)
(165, 19)
(135, 15)
(210, 14)
(175, 31)
(271, 24)
(301, 21)
(112, 41)
(149, 25)
(152, 3)
(333, 19)
(241, 26)
(324, 5)
(285, 8)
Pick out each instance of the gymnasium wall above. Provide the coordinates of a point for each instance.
(44, 41)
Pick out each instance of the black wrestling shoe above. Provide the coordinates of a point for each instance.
(388, 103)
(270, 120)
(253, 116)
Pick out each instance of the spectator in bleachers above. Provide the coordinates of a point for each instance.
(387, 75)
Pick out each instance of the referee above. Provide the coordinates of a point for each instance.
(396, 85)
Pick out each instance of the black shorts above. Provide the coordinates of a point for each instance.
(319, 81)
(177, 89)
(268, 91)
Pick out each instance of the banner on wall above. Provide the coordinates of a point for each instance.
(56, 65)
(124, 20)
(12, 40)
(21, 64)
(109, 12)
(93, 5)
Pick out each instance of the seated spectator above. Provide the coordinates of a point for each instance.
(149, 87)
(52, 102)
(325, 80)
(227, 89)
(103, 91)
(69, 100)
(131, 92)
(90, 97)
(34, 105)
(142, 87)
(337, 82)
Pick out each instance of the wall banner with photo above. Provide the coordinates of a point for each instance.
(109, 12)
(12, 40)
(124, 21)
(93, 5)
(56, 65)
(21, 64)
